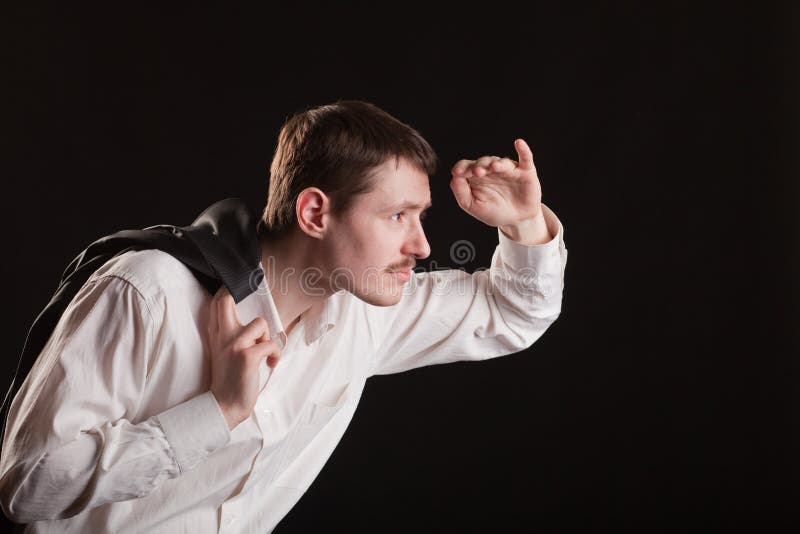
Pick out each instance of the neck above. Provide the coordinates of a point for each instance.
(285, 259)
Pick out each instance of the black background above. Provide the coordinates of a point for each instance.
(664, 398)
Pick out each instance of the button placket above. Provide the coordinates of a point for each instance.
(230, 513)
(261, 411)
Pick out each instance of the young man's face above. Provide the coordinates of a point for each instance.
(377, 241)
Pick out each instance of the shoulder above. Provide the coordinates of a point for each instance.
(154, 274)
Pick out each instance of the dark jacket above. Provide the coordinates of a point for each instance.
(220, 247)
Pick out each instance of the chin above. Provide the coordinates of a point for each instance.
(380, 299)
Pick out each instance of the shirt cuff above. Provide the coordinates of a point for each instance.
(194, 429)
(539, 266)
(519, 254)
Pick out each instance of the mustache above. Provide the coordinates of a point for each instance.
(407, 266)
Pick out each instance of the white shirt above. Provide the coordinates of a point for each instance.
(115, 429)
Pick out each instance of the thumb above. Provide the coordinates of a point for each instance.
(524, 153)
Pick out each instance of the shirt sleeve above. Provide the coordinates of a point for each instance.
(70, 443)
(451, 315)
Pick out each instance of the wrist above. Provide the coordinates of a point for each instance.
(531, 231)
(228, 413)
(232, 421)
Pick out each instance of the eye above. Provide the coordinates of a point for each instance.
(423, 215)
(397, 215)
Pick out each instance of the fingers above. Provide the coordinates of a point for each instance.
(265, 349)
(256, 331)
(525, 155)
(461, 166)
(502, 165)
(213, 317)
(493, 164)
(226, 311)
(254, 343)
(462, 191)
(481, 166)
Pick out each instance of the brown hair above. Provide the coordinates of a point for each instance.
(335, 147)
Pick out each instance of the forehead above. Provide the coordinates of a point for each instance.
(398, 181)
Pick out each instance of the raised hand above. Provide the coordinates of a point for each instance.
(499, 191)
(236, 352)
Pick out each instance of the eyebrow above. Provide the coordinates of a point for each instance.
(409, 205)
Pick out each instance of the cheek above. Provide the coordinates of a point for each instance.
(364, 246)
(366, 249)
(351, 259)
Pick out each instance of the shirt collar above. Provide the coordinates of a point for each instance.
(320, 318)
(317, 320)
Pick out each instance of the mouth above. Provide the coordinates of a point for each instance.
(403, 275)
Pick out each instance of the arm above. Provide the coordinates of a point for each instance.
(70, 444)
(451, 315)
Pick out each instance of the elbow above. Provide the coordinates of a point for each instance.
(20, 500)
(12, 515)
(540, 324)
(9, 489)
(539, 319)
(532, 327)
(518, 328)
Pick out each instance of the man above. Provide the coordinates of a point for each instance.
(157, 407)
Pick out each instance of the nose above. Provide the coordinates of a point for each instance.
(417, 244)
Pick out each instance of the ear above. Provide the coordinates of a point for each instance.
(312, 209)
